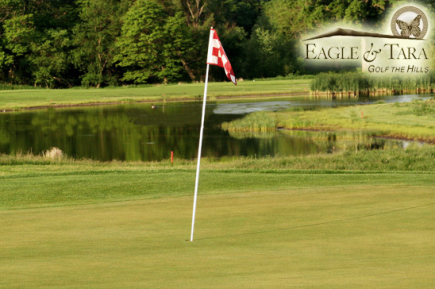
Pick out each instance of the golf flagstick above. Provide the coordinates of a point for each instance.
(199, 153)
(215, 56)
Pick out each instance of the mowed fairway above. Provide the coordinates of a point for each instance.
(16, 99)
(127, 228)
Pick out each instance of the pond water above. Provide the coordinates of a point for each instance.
(149, 133)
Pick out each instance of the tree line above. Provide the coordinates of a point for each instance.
(66, 43)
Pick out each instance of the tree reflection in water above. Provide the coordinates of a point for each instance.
(147, 132)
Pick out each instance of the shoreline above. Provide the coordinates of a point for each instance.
(156, 100)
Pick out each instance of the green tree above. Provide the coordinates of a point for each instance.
(153, 42)
(28, 31)
(294, 18)
(270, 54)
(232, 19)
(235, 13)
(49, 58)
(17, 35)
(94, 38)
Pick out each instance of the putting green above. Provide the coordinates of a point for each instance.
(311, 236)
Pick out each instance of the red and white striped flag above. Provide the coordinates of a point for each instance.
(216, 56)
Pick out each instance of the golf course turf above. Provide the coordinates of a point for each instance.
(127, 226)
(357, 218)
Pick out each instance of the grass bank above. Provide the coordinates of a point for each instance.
(414, 120)
(16, 99)
(84, 224)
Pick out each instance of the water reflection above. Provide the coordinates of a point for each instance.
(150, 133)
(132, 132)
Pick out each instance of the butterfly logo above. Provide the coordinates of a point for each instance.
(410, 29)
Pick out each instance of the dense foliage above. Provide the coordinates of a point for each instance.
(64, 43)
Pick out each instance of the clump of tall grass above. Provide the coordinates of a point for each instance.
(53, 153)
(254, 122)
(359, 82)
(337, 82)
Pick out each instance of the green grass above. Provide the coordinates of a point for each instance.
(354, 219)
(253, 122)
(361, 158)
(101, 186)
(254, 230)
(414, 120)
(260, 224)
(14, 99)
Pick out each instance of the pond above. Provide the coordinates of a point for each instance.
(149, 132)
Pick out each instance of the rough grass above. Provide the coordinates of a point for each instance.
(414, 120)
(253, 122)
(414, 158)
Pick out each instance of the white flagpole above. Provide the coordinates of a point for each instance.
(199, 153)
(200, 137)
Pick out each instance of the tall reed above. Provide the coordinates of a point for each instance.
(361, 83)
